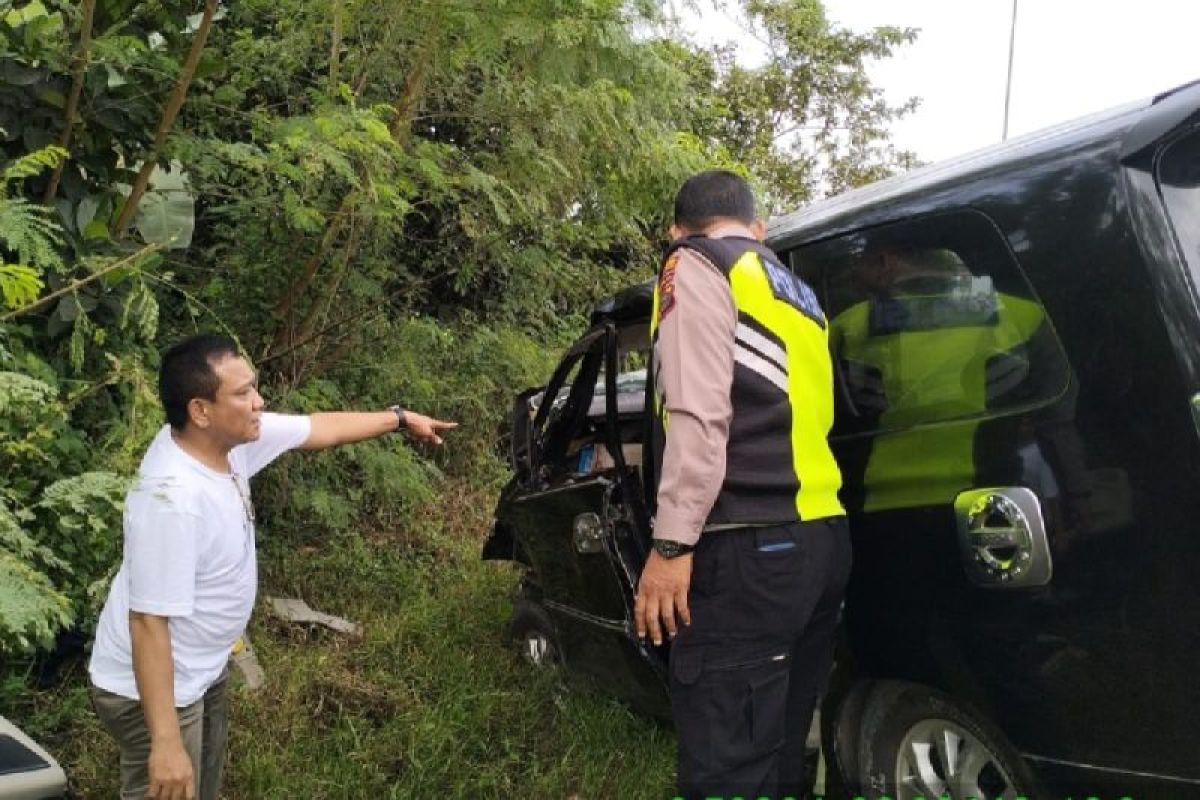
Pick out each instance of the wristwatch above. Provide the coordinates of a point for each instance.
(672, 549)
(399, 412)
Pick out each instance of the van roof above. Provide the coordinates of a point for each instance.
(824, 215)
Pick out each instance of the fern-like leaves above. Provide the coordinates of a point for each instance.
(29, 234)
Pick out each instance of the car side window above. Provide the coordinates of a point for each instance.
(931, 321)
(1179, 180)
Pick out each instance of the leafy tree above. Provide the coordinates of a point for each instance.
(808, 121)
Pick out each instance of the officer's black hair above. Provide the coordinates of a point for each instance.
(187, 372)
(712, 195)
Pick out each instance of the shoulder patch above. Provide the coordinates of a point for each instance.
(789, 288)
(666, 286)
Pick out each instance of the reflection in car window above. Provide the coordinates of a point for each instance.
(631, 394)
(935, 334)
(931, 321)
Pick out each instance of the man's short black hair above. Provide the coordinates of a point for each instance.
(712, 195)
(187, 372)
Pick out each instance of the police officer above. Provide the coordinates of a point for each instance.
(750, 553)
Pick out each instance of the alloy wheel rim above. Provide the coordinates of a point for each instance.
(939, 758)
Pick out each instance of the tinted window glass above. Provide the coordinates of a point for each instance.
(1179, 179)
(931, 321)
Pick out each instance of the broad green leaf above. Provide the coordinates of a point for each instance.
(19, 16)
(96, 230)
(166, 214)
(53, 98)
(86, 211)
(19, 285)
(68, 308)
(42, 30)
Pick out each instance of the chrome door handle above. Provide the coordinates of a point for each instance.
(1002, 537)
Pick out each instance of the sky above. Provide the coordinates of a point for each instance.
(1072, 58)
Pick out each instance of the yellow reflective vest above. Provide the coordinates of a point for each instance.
(778, 467)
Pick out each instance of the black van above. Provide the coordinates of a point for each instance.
(1016, 336)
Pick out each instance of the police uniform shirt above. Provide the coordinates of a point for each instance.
(697, 323)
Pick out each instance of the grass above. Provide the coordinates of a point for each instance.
(431, 701)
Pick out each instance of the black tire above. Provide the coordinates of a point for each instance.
(532, 632)
(899, 720)
(841, 721)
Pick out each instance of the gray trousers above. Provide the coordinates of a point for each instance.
(204, 726)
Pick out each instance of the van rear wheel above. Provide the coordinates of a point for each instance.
(915, 742)
(841, 721)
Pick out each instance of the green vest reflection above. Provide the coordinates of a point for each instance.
(923, 361)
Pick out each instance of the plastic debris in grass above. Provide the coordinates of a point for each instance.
(294, 610)
(245, 663)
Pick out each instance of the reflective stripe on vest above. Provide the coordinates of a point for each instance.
(779, 467)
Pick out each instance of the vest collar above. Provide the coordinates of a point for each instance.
(726, 230)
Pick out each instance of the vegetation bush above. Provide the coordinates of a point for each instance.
(59, 539)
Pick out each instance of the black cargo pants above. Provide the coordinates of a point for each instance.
(746, 674)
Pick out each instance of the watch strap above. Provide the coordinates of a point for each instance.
(669, 548)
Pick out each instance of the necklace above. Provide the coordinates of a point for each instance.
(244, 496)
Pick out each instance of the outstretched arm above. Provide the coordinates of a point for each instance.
(343, 427)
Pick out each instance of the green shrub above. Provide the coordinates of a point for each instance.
(79, 519)
(31, 423)
(467, 372)
(60, 537)
(31, 610)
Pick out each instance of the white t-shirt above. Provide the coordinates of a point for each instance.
(189, 555)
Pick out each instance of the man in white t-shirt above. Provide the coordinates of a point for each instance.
(187, 581)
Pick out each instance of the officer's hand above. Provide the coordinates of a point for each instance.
(170, 768)
(662, 593)
(426, 429)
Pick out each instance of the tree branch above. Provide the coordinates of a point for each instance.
(287, 303)
(335, 48)
(170, 112)
(322, 309)
(348, 318)
(385, 45)
(79, 70)
(406, 109)
(79, 284)
(310, 320)
(414, 87)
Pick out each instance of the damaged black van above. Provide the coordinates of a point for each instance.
(1016, 337)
